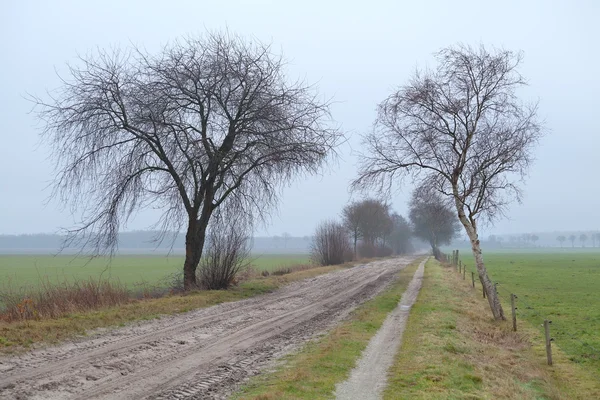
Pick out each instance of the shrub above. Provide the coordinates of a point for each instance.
(369, 250)
(227, 254)
(330, 244)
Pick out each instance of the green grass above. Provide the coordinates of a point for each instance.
(29, 270)
(452, 349)
(313, 372)
(562, 287)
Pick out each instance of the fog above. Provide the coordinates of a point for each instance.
(356, 52)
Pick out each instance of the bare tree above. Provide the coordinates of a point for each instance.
(370, 221)
(208, 123)
(399, 238)
(432, 218)
(286, 237)
(572, 239)
(583, 238)
(351, 217)
(534, 238)
(561, 239)
(461, 129)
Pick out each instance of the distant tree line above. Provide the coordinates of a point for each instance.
(581, 239)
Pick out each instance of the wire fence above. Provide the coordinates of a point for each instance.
(577, 349)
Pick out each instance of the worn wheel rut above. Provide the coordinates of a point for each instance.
(201, 354)
(368, 380)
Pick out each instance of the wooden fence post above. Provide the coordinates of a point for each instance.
(514, 311)
(473, 278)
(464, 272)
(548, 341)
(459, 266)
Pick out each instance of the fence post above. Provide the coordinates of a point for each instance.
(459, 266)
(464, 272)
(548, 341)
(473, 278)
(514, 311)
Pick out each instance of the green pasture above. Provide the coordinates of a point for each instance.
(563, 287)
(29, 270)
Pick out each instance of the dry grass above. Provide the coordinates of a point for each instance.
(453, 349)
(19, 335)
(51, 300)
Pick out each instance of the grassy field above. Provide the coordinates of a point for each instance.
(19, 336)
(562, 287)
(24, 270)
(452, 349)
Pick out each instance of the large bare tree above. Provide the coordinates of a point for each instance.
(208, 123)
(461, 129)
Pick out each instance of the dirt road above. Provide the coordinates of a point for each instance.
(203, 354)
(368, 380)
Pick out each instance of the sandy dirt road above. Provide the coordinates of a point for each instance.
(202, 354)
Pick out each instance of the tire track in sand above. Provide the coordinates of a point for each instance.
(201, 354)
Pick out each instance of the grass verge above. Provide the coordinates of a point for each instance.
(21, 335)
(452, 349)
(313, 372)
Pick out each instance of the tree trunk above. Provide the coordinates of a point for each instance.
(193, 252)
(194, 246)
(490, 290)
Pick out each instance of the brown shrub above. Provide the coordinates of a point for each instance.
(53, 300)
(330, 244)
(227, 255)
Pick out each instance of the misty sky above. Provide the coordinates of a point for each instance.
(356, 52)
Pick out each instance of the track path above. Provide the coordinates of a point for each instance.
(203, 354)
(368, 380)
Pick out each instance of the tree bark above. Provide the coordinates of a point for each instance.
(492, 296)
(194, 246)
(355, 240)
(193, 252)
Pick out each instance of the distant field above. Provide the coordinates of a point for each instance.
(26, 270)
(562, 287)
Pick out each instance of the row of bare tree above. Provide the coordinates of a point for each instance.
(211, 127)
(368, 228)
(583, 238)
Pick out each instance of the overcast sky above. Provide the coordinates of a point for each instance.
(357, 52)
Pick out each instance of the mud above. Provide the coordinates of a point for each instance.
(203, 354)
